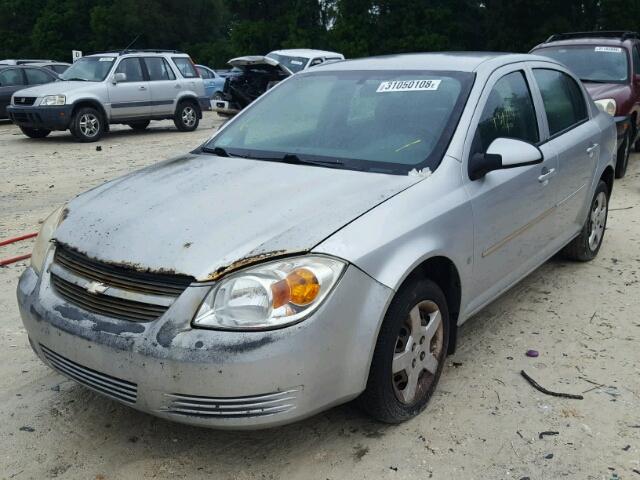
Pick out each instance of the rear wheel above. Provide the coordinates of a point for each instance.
(87, 125)
(409, 354)
(587, 244)
(186, 117)
(139, 125)
(217, 96)
(35, 132)
(623, 155)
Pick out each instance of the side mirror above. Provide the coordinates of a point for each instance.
(504, 153)
(119, 77)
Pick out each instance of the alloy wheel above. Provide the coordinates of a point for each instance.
(189, 116)
(89, 125)
(597, 220)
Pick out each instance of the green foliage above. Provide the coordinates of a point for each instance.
(213, 31)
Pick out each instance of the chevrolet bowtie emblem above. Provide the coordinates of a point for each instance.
(96, 287)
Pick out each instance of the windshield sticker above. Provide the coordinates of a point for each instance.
(106, 59)
(408, 86)
(296, 62)
(609, 49)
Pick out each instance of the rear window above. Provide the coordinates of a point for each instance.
(185, 66)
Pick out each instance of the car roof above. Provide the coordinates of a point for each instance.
(138, 53)
(454, 61)
(306, 52)
(585, 41)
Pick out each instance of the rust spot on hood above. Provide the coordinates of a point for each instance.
(250, 260)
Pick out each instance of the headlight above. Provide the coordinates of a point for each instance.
(43, 240)
(269, 295)
(607, 105)
(53, 100)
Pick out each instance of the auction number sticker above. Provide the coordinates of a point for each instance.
(609, 49)
(408, 86)
(106, 59)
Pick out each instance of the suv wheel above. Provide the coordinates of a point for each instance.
(35, 132)
(623, 155)
(139, 125)
(186, 117)
(409, 354)
(586, 245)
(87, 125)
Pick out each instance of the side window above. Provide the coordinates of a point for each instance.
(158, 69)
(636, 60)
(11, 77)
(132, 69)
(315, 61)
(509, 112)
(563, 101)
(185, 66)
(36, 77)
(204, 73)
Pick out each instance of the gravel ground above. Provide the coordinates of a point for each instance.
(483, 422)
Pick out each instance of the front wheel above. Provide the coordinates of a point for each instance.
(186, 117)
(87, 125)
(623, 155)
(586, 245)
(409, 354)
(35, 132)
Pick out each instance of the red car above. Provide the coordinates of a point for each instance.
(608, 63)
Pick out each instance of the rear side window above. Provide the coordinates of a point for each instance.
(36, 77)
(563, 101)
(204, 73)
(509, 112)
(158, 69)
(132, 69)
(11, 77)
(185, 66)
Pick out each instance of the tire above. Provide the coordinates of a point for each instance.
(87, 125)
(186, 117)
(217, 96)
(388, 396)
(35, 132)
(139, 125)
(587, 244)
(623, 155)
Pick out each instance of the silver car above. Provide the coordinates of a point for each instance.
(129, 87)
(326, 244)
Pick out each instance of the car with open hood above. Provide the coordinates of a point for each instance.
(608, 63)
(258, 73)
(326, 243)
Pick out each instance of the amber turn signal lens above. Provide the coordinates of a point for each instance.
(301, 287)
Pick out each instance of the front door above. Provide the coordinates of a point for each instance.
(513, 209)
(130, 98)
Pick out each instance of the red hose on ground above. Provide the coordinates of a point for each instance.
(7, 261)
(17, 239)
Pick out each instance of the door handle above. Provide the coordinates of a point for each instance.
(546, 174)
(592, 149)
(142, 87)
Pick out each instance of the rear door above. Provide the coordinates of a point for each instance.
(575, 138)
(11, 80)
(130, 98)
(163, 85)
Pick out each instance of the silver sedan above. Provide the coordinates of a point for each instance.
(324, 245)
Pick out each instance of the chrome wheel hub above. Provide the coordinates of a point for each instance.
(418, 350)
(597, 221)
(189, 116)
(89, 124)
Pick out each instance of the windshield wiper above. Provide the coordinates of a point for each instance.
(75, 79)
(221, 152)
(296, 160)
(589, 80)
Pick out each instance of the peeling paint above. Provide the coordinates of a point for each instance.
(250, 260)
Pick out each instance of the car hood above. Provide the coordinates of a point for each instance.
(258, 60)
(57, 88)
(599, 91)
(203, 216)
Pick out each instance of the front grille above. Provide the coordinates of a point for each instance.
(121, 277)
(113, 387)
(106, 304)
(232, 407)
(24, 100)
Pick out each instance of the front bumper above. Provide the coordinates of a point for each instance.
(207, 377)
(623, 124)
(224, 108)
(49, 118)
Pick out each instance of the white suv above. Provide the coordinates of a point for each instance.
(129, 87)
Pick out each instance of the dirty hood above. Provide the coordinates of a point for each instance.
(257, 61)
(203, 215)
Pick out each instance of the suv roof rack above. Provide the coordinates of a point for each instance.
(139, 50)
(621, 34)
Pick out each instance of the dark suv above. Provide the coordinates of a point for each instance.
(608, 63)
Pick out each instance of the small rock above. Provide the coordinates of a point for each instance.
(549, 456)
(27, 428)
(56, 388)
(98, 148)
(532, 353)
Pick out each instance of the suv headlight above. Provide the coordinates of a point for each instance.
(53, 100)
(269, 295)
(43, 240)
(607, 105)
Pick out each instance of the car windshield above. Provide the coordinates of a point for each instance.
(378, 121)
(90, 69)
(592, 63)
(295, 64)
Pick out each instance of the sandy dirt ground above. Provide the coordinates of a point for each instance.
(484, 422)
